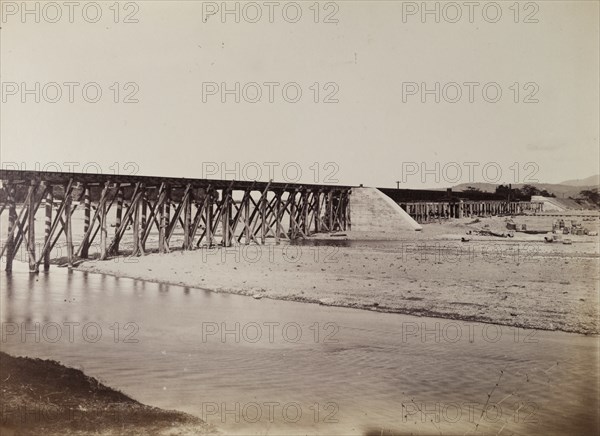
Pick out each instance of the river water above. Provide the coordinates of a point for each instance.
(276, 367)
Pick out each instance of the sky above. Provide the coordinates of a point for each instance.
(327, 92)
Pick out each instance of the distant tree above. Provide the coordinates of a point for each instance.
(529, 190)
(514, 193)
(504, 190)
(524, 193)
(591, 195)
(473, 189)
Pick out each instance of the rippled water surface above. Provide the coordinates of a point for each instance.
(270, 367)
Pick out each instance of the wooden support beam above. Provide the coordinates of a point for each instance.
(187, 220)
(212, 219)
(167, 217)
(292, 225)
(127, 219)
(305, 225)
(143, 222)
(330, 211)
(99, 209)
(209, 218)
(348, 211)
(177, 214)
(48, 245)
(87, 237)
(155, 217)
(258, 210)
(219, 212)
(103, 230)
(226, 218)
(295, 228)
(3, 205)
(83, 253)
(136, 224)
(12, 224)
(22, 232)
(285, 209)
(278, 217)
(48, 226)
(168, 209)
(241, 215)
(317, 211)
(68, 228)
(204, 217)
(33, 267)
(271, 218)
(246, 207)
(263, 219)
(118, 218)
(162, 219)
(198, 217)
(153, 214)
(323, 213)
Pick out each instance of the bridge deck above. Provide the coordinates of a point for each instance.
(92, 179)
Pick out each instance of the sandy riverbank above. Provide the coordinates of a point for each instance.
(516, 281)
(45, 397)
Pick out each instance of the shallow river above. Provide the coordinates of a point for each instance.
(271, 367)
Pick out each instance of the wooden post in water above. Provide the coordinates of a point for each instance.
(187, 218)
(317, 210)
(330, 210)
(225, 217)
(12, 222)
(209, 217)
(67, 226)
(278, 218)
(48, 227)
(86, 220)
(246, 207)
(144, 220)
(160, 213)
(161, 227)
(263, 218)
(292, 229)
(33, 267)
(136, 225)
(305, 225)
(168, 208)
(103, 231)
(118, 219)
(348, 212)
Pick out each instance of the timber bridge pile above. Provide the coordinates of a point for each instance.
(201, 212)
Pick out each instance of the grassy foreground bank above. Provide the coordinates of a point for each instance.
(44, 397)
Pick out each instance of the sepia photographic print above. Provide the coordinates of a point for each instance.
(289, 218)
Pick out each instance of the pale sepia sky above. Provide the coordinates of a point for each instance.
(170, 52)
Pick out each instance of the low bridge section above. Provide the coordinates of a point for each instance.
(429, 205)
(423, 212)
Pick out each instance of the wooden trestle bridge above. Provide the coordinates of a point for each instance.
(202, 212)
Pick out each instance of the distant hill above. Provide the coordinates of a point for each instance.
(589, 181)
(561, 190)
